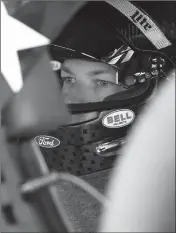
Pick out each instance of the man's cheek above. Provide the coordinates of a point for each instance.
(102, 93)
(69, 93)
(86, 93)
(79, 96)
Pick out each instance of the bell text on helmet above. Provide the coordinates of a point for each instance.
(119, 118)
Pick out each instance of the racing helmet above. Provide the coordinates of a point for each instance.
(141, 62)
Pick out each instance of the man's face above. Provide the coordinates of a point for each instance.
(87, 81)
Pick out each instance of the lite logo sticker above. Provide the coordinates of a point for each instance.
(137, 17)
(143, 22)
(119, 118)
(47, 141)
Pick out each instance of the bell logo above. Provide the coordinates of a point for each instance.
(139, 18)
(118, 119)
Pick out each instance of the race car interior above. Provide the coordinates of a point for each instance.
(67, 131)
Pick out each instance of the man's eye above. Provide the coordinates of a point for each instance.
(102, 83)
(68, 80)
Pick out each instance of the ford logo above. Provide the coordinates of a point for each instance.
(47, 141)
(118, 118)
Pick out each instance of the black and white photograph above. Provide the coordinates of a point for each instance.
(87, 100)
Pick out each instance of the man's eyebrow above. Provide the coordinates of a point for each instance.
(98, 71)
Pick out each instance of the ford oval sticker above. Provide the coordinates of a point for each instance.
(47, 141)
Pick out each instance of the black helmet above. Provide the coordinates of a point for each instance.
(124, 36)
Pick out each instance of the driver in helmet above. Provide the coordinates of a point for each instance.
(86, 144)
(86, 82)
(95, 66)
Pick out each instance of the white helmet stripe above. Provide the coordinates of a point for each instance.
(128, 56)
(142, 21)
(115, 60)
